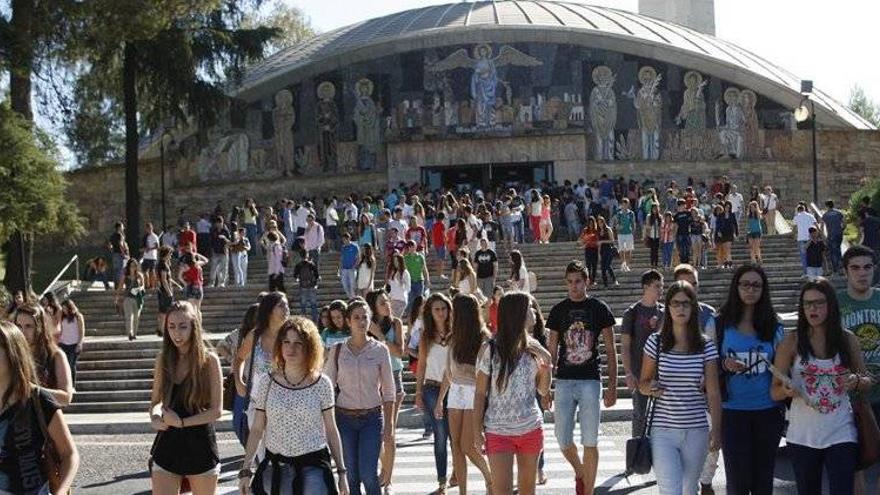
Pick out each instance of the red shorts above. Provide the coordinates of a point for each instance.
(527, 443)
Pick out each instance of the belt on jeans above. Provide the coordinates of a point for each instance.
(357, 412)
(432, 383)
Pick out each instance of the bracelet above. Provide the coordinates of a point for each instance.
(245, 473)
(341, 471)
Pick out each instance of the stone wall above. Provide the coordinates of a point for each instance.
(845, 158)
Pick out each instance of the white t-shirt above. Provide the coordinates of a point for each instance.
(294, 422)
(300, 220)
(400, 286)
(769, 201)
(736, 201)
(524, 278)
(331, 216)
(804, 221)
(151, 247)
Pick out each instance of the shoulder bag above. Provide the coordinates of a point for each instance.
(639, 459)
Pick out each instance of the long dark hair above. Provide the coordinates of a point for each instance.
(460, 232)
(72, 311)
(468, 329)
(764, 317)
(264, 311)
(511, 337)
(516, 262)
(835, 337)
(695, 339)
(22, 374)
(197, 388)
(429, 329)
(539, 331)
(415, 311)
(397, 266)
(372, 298)
(249, 321)
(367, 255)
(342, 307)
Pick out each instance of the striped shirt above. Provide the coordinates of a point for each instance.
(683, 403)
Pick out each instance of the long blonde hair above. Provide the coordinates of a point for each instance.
(23, 376)
(197, 388)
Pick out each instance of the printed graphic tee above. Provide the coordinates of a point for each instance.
(579, 324)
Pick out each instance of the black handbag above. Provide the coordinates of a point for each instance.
(638, 449)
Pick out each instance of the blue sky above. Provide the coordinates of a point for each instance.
(830, 42)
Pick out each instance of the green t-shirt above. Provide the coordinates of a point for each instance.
(863, 319)
(415, 265)
(330, 338)
(625, 221)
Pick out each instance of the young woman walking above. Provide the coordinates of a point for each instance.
(192, 276)
(433, 351)
(667, 239)
(26, 409)
(73, 333)
(52, 310)
(535, 207)
(826, 364)
(755, 232)
(726, 231)
(748, 332)
(458, 387)
(361, 369)
(466, 278)
(336, 330)
(589, 240)
(606, 249)
(677, 364)
(399, 283)
(366, 270)
(519, 274)
(254, 357)
(165, 292)
(388, 329)
(131, 297)
(546, 224)
(52, 369)
(652, 234)
(512, 370)
(185, 402)
(290, 404)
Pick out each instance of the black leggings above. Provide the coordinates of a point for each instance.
(591, 258)
(654, 244)
(839, 460)
(607, 262)
(750, 440)
(276, 282)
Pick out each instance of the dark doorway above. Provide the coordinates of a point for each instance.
(487, 176)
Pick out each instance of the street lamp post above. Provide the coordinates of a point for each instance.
(801, 114)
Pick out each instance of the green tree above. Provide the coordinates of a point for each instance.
(293, 25)
(860, 103)
(32, 200)
(167, 63)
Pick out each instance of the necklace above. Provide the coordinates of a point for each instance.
(290, 382)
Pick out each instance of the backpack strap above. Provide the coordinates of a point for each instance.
(250, 374)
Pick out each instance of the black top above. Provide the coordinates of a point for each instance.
(185, 451)
(219, 239)
(815, 254)
(485, 263)
(307, 273)
(683, 222)
(579, 325)
(116, 243)
(491, 229)
(21, 444)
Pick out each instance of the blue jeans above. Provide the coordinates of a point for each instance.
(683, 242)
(316, 257)
(678, 456)
(308, 300)
(239, 419)
(116, 267)
(348, 276)
(834, 252)
(430, 394)
(839, 460)
(583, 396)
(416, 288)
(72, 356)
(667, 253)
(312, 480)
(518, 231)
(361, 442)
(252, 235)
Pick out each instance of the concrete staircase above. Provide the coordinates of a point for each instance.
(115, 375)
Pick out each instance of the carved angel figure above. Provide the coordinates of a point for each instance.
(484, 80)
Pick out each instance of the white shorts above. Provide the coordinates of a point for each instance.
(460, 396)
(625, 242)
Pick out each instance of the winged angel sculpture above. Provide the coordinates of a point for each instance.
(484, 80)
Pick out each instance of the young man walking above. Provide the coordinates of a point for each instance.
(348, 260)
(307, 276)
(487, 268)
(575, 325)
(639, 321)
(625, 222)
(860, 314)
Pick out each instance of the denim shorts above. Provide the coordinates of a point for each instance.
(193, 292)
(441, 252)
(581, 396)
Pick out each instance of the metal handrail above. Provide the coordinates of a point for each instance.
(74, 259)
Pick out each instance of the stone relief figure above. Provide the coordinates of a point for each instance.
(525, 114)
(748, 100)
(437, 112)
(327, 120)
(731, 132)
(368, 123)
(283, 118)
(603, 112)
(484, 80)
(450, 112)
(465, 114)
(649, 105)
(693, 108)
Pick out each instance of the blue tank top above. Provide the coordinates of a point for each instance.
(390, 336)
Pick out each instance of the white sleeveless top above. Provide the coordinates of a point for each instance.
(69, 332)
(435, 364)
(830, 419)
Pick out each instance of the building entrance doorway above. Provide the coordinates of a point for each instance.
(487, 176)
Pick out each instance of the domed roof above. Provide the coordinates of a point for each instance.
(506, 21)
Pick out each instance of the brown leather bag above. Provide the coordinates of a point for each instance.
(50, 457)
(868, 433)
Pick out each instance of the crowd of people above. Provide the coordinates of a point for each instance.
(315, 397)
